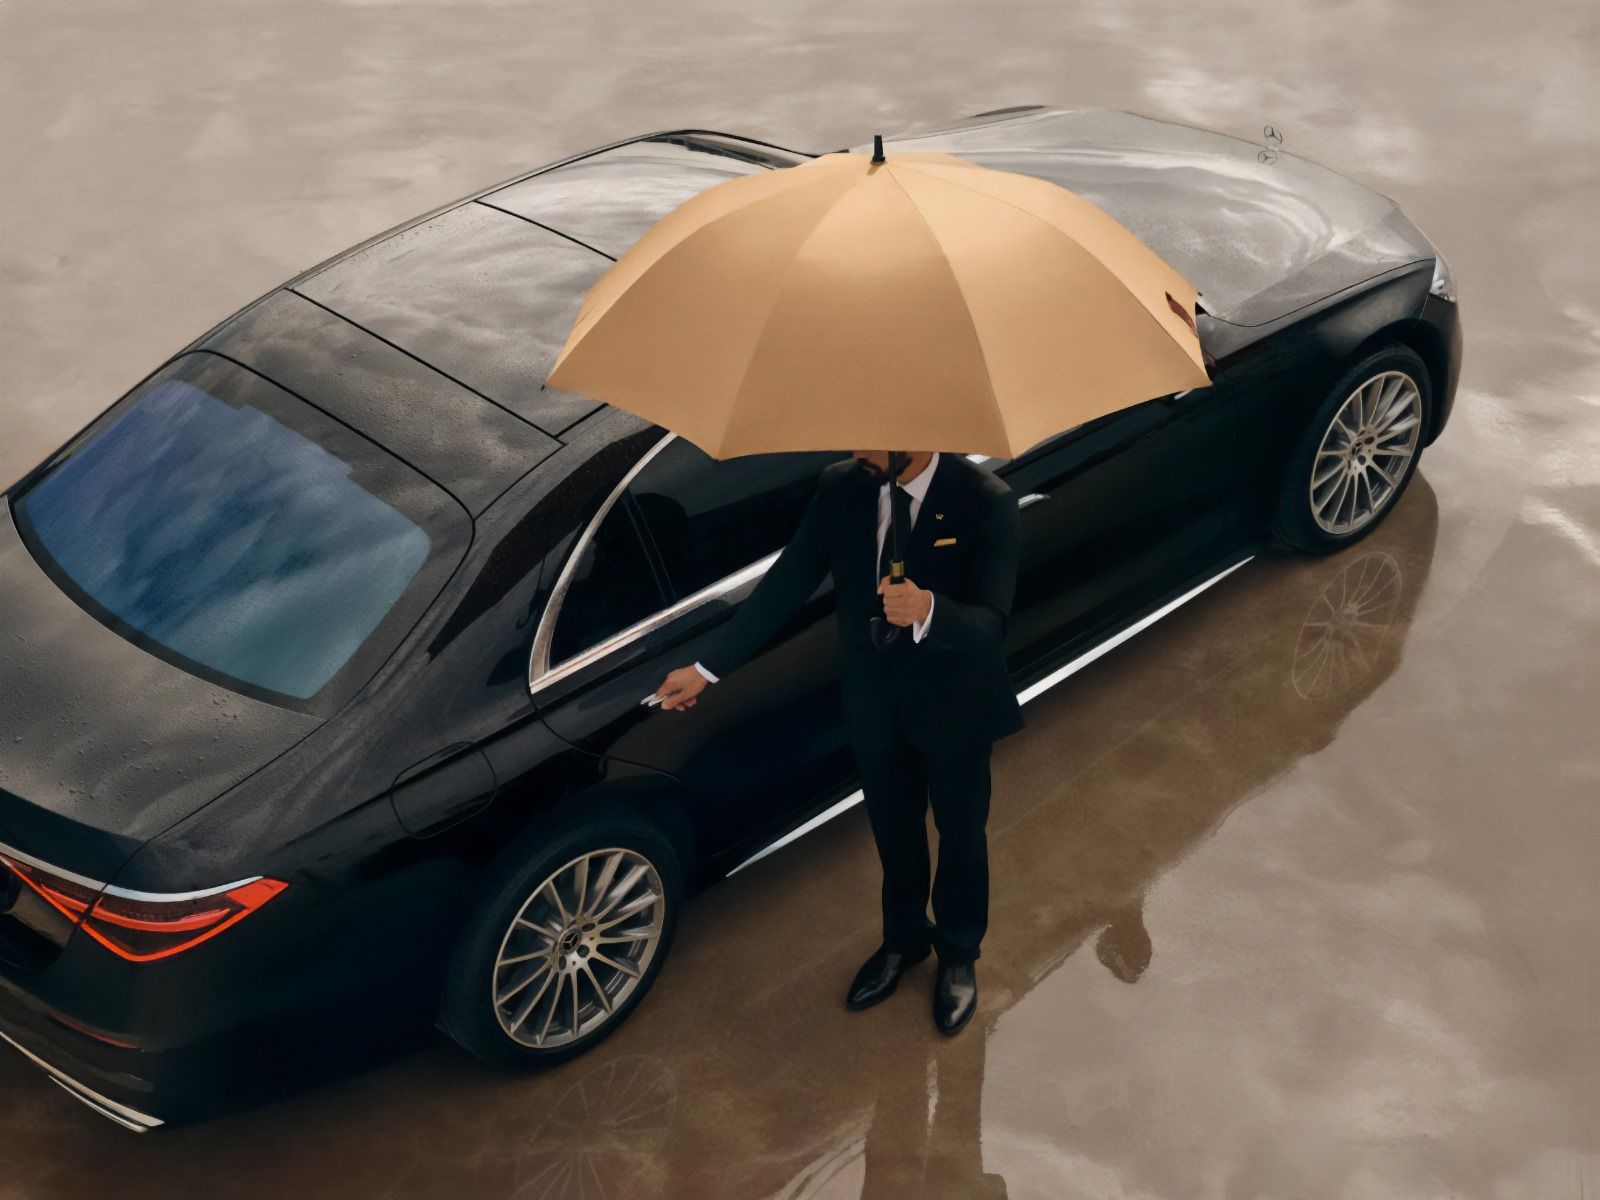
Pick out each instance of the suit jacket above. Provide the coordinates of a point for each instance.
(953, 687)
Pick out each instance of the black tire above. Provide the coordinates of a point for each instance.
(467, 1009)
(1294, 522)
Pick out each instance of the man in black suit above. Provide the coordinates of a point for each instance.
(924, 711)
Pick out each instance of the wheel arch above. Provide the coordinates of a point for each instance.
(654, 796)
(658, 798)
(1418, 336)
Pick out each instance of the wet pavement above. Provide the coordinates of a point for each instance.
(1294, 893)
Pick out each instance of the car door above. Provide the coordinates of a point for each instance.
(766, 742)
(1116, 511)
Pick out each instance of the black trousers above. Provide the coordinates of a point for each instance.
(899, 782)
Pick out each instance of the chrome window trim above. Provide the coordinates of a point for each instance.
(541, 674)
(121, 892)
(653, 622)
(539, 670)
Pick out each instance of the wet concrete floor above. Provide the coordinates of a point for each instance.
(1295, 893)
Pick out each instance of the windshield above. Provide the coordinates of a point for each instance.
(218, 520)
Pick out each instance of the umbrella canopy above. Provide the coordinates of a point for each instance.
(914, 301)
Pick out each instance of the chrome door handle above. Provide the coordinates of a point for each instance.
(1032, 498)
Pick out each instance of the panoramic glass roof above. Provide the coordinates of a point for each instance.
(608, 200)
(481, 295)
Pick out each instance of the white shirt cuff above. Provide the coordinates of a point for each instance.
(705, 672)
(918, 628)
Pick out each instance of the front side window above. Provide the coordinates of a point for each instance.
(710, 517)
(705, 518)
(226, 525)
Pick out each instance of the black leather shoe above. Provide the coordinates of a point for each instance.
(955, 996)
(879, 975)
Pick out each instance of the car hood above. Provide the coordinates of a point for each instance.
(102, 745)
(1260, 232)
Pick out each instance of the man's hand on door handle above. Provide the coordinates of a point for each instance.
(680, 687)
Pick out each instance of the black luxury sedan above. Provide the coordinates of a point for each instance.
(324, 646)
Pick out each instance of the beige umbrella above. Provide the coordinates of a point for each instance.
(914, 300)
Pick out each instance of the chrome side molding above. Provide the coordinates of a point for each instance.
(1027, 693)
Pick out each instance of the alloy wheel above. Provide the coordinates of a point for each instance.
(1365, 453)
(578, 947)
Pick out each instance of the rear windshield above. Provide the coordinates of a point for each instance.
(221, 522)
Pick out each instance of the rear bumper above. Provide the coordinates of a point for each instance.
(225, 1051)
(291, 998)
(116, 1081)
(123, 1114)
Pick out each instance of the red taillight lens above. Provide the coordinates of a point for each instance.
(64, 895)
(144, 928)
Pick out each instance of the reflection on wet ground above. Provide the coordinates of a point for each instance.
(1294, 892)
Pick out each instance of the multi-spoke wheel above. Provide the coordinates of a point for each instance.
(1364, 453)
(565, 940)
(579, 947)
(1357, 455)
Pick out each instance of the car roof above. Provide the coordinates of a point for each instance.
(608, 200)
(487, 291)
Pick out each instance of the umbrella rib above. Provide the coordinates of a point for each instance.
(1095, 258)
(1000, 417)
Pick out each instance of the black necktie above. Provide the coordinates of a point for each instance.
(899, 500)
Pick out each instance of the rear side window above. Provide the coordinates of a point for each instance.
(711, 517)
(228, 526)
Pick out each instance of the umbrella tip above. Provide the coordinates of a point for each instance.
(877, 147)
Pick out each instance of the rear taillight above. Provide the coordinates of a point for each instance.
(66, 895)
(141, 927)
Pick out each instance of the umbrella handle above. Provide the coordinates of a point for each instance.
(883, 633)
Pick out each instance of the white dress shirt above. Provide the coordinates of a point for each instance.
(918, 487)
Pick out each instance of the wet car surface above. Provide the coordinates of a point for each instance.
(1294, 891)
